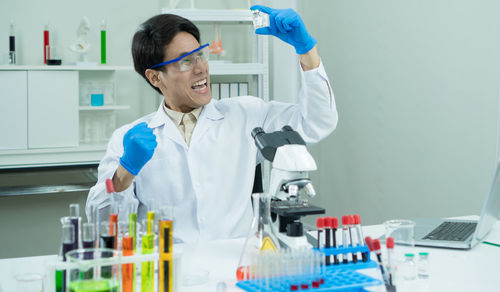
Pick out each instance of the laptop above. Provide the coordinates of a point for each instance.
(461, 234)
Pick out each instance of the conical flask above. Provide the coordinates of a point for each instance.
(261, 238)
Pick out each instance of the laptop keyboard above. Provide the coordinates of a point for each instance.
(452, 231)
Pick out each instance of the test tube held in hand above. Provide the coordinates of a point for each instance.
(110, 189)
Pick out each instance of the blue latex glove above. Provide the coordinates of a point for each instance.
(139, 144)
(287, 25)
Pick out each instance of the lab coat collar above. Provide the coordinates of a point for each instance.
(209, 111)
(209, 114)
(208, 117)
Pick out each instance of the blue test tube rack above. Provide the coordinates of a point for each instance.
(340, 277)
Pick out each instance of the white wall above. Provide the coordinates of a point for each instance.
(416, 84)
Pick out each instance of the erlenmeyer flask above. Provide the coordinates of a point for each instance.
(261, 238)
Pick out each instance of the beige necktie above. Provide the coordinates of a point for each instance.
(187, 125)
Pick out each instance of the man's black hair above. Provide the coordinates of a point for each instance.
(149, 42)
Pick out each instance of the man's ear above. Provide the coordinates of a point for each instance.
(153, 77)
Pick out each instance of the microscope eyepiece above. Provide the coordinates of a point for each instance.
(257, 131)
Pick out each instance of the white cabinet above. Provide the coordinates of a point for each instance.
(13, 110)
(52, 109)
(41, 119)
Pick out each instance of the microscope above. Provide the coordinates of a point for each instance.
(289, 186)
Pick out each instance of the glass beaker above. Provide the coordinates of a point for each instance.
(262, 236)
(403, 231)
(101, 267)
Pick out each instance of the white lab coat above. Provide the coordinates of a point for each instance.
(209, 183)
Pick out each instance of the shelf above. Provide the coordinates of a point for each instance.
(64, 68)
(104, 108)
(217, 68)
(43, 190)
(211, 15)
(85, 154)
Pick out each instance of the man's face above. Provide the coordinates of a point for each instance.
(184, 90)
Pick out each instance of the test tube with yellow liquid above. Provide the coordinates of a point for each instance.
(165, 226)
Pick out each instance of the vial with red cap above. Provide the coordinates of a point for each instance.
(357, 224)
(320, 223)
(328, 230)
(389, 244)
(346, 221)
(335, 225)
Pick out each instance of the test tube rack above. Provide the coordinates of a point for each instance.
(52, 267)
(340, 277)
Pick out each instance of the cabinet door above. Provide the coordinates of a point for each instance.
(13, 113)
(52, 109)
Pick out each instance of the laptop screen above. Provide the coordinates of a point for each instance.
(491, 208)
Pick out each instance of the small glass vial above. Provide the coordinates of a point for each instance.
(423, 265)
(409, 267)
(260, 19)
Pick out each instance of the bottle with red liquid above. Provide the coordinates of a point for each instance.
(46, 44)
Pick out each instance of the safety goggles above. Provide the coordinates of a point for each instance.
(187, 61)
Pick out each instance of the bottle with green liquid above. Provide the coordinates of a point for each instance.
(103, 42)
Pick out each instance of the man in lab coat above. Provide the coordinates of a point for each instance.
(196, 153)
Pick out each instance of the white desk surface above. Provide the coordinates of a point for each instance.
(450, 270)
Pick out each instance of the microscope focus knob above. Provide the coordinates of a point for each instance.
(295, 229)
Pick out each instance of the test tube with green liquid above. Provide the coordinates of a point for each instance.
(147, 268)
(132, 232)
(132, 222)
(103, 42)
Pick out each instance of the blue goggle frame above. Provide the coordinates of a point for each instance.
(179, 58)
